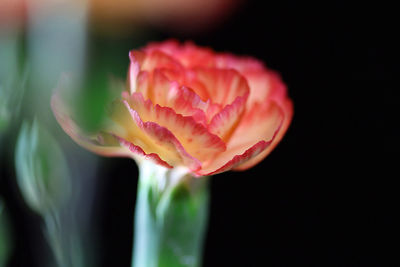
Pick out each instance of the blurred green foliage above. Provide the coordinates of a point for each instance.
(41, 168)
(12, 78)
(90, 109)
(107, 66)
(11, 96)
(50, 47)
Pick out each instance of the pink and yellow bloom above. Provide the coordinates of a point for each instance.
(189, 106)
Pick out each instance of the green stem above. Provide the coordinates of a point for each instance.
(64, 241)
(170, 217)
(53, 233)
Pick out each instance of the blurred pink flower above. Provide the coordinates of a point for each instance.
(179, 15)
(189, 106)
(119, 15)
(15, 13)
(12, 13)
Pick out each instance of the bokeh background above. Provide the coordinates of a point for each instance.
(320, 199)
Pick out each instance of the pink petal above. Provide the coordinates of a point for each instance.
(182, 99)
(262, 123)
(223, 85)
(240, 63)
(151, 139)
(188, 78)
(141, 69)
(193, 136)
(169, 47)
(224, 123)
(134, 69)
(105, 144)
(212, 109)
(151, 60)
(263, 85)
(165, 139)
(100, 143)
(287, 106)
(239, 158)
(214, 87)
(139, 152)
(188, 54)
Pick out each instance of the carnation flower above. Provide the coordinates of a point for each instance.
(188, 106)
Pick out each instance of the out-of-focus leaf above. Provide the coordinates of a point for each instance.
(41, 168)
(5, 236)
(108, 62)
(92, 102)
(4, 112)
(55, 44)
(12, 79)
(10, 100)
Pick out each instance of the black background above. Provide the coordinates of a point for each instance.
(322, 198)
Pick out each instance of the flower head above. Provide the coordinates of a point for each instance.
(189, 106)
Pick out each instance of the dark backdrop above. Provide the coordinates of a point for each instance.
(321, 198)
